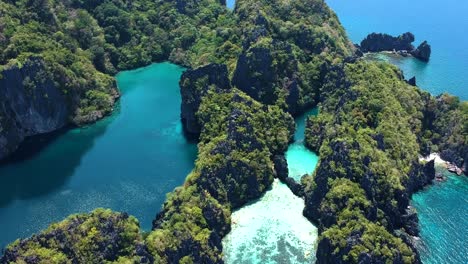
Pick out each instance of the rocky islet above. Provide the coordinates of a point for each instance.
(402, 44)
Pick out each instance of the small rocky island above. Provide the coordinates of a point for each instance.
(402, 44)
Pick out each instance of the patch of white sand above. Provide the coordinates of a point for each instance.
(271, 230)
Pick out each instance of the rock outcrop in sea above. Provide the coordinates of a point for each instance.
(376, 42)
(402, 44)
(422, 52)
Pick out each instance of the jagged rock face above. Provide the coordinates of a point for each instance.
(412, 81)
(97, 237)
(194, 84)
(30, 104)
(376, 42)
(422, 52)
(264, 73)
(236, 181)
(420, 176)
(313, 198)
(281, 166)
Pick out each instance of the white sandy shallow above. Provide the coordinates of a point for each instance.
(271, 230)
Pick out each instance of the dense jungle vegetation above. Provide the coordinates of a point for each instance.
(281, 57)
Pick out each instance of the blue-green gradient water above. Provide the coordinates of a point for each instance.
(443, 212)
(443, 208)
(272, 229)
(127, 162)
(301, 160)
(442, 23)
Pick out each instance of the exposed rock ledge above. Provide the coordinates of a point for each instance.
(31, 103)
(439, 161)
(194, 84)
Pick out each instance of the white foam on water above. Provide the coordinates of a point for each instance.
(435, 157)
(271, 230)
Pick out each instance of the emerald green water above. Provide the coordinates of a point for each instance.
(272, 229)
(127, 162)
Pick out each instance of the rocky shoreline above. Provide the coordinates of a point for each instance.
(401, 45)
(368, 135)
(32, 104)
(453, 168)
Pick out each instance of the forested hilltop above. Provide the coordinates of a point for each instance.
(250, 71)
(57, 58)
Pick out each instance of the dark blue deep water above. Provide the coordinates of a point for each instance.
(442, 208)
(127, 162)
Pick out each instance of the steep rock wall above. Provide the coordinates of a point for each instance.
(30, 104)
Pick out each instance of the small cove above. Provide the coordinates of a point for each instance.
(126, 162)
(273, 229)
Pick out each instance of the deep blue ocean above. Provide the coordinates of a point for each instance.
(442, 208)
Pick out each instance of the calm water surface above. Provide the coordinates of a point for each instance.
(126, 162)
(443, 208)
(443, 211)
(272, 229)
(442, 23)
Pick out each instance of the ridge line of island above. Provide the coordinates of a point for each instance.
(238, 97)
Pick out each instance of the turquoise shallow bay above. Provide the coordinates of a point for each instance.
(272, 229)
(126, 162)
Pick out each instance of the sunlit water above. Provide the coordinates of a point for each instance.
(273, 229)
(301, 161)
(443, 212)
(443, 208)
(126, 162)
(442, 23)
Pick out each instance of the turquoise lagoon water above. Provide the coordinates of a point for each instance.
(301, 160)
(273, 229)
(231, 4)
(443, 212)
(443, 208)
(442, 23)
(127, 162)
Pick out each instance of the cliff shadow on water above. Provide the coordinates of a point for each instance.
(128, 161)
(44, 163)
